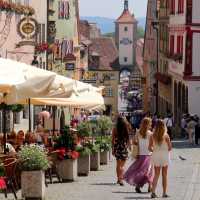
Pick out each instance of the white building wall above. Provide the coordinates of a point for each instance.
(126, 50)
(194, 97)
(176, 67)
(196, 55)
(178, 18)
(196, 11)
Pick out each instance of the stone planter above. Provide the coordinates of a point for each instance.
(104, 157)
(33, 185)
(17, 117)
(95, 161)
(67, 170)
(84, 165)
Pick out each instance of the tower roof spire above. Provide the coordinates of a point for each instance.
(126, 5)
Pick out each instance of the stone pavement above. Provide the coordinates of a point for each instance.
(184, 181)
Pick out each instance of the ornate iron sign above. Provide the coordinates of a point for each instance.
(27, 28)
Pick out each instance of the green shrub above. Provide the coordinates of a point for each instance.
(94, 148)
(84, 129)
(104, 125)
(104, 143)
(83, 150)
(65, 140)
(33, 158)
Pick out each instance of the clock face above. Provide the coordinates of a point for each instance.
(126, 41)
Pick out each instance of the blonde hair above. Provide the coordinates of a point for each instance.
(144, 127)
(159, 132)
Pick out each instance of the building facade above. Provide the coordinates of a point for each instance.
(63, 23)
(22, 32)
(150, 59)
(184, 62)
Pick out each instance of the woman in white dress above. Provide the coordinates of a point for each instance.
(160, 146)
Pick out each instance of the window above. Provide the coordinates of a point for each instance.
(125, 59)
(110, 92)
(63, 10)
(125, 28)
(179, 44)
(172, 45)
(180, 6)
(172, 7)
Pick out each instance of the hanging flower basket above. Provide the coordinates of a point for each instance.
(16, 8)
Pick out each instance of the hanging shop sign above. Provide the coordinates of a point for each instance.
(90, 77)
(27, 28)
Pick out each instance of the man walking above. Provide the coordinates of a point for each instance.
(197, 132)
(169, 124)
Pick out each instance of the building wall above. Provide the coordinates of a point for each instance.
(195, 56)
(193, 97)
(67, 29)
(97, 78)
(23, 53)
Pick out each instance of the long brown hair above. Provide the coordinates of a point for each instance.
(144, 127)
(159, 132)
(122, 129)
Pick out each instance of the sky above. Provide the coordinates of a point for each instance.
(111, 8)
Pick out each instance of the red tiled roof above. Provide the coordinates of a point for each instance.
(107, 51)
(126, 17)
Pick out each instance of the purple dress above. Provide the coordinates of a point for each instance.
(140, 171)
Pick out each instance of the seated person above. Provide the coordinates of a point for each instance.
(12, 137)
(30, 138)
(20, 140)
(9, 148)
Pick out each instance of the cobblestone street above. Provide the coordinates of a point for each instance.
(184, 176)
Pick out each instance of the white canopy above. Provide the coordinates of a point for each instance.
(19, 82)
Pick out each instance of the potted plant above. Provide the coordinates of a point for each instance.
(65, 145)
(105, 147)
(104, 125)
(83, 160)
(94, 156)
(33, 164)
(84, 129)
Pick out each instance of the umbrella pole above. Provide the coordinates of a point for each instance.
(54, 119)
(29, 113)
(4, 129)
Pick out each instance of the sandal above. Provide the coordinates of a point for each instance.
(137, 189)
(120, 183)
(165, 196)
(153, 195)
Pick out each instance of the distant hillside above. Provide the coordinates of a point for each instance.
(107, 25)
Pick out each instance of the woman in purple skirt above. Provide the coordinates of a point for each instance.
(141, 171)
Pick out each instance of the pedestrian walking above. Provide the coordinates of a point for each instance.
(160, 146)
(191, 129)
(197, 132)
(183, 126)
(140, 172)
(120, 144)
(169, 124)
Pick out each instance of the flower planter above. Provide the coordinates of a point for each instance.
(110, 155)
(95, 161)
(67, 170)
(33, 185)
(84, 165)
(104, 157)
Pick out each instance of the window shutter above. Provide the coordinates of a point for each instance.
(178, 44)
(172, 44)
